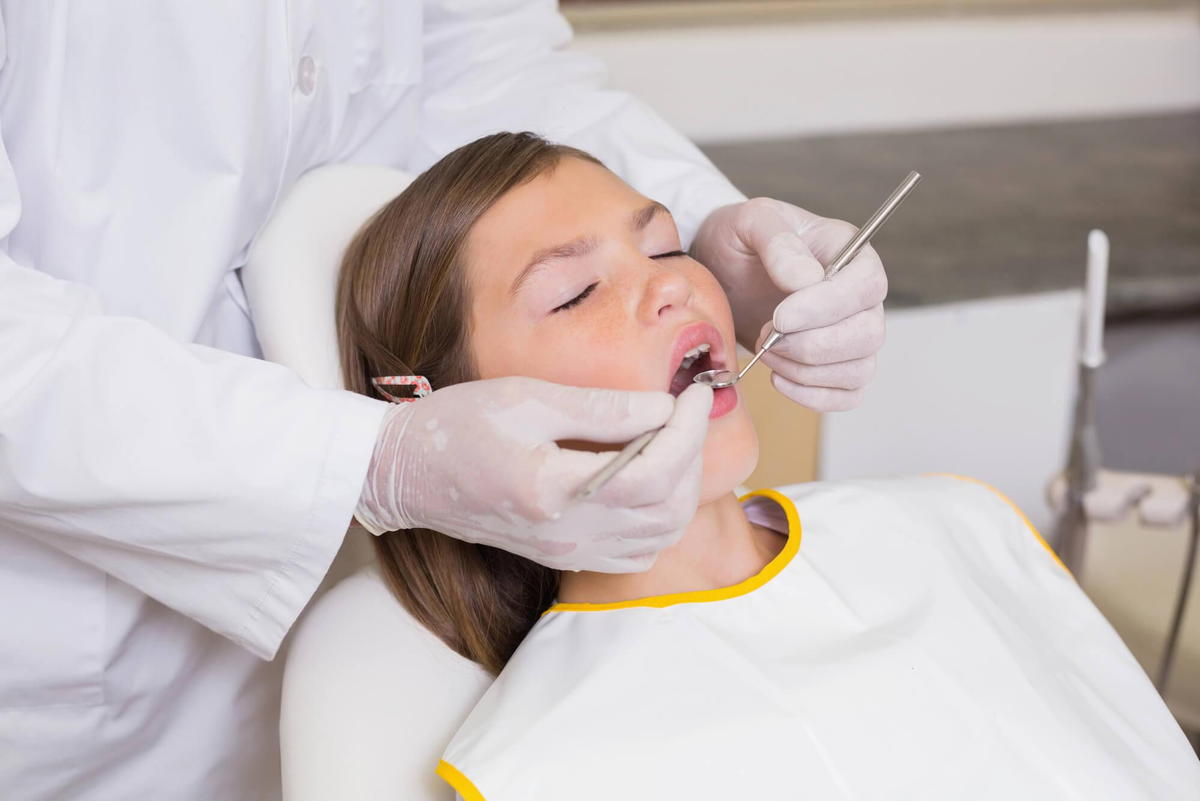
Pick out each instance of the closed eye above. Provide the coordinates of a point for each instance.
(575, 301)
(672, 254)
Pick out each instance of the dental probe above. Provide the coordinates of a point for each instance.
(719, 379)
(728, 377)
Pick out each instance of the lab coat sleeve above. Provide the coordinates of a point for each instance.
(493, 65)
(216, 484)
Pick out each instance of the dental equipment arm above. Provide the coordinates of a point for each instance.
(479, 461)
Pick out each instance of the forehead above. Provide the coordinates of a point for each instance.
(575, 198)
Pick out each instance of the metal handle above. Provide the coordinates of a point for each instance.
(860, 239)
(771, 339)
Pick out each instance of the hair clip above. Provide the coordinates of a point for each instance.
(417, 387)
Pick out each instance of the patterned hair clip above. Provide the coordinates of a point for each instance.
(416, 386)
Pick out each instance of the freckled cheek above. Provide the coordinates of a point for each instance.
(602, 353)
(504, 346)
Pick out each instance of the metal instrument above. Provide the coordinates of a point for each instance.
(719, 379)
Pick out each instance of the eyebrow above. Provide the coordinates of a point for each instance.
(582, 245)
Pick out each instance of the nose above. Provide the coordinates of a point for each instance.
(667, 290)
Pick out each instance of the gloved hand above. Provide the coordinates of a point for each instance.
(768, 255)
(479, 461)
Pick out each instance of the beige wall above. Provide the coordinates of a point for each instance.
(723, 83)
(787, 433)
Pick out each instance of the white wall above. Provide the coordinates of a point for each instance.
(744, 82)
(983, 388)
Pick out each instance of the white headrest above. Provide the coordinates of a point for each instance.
(291, 275)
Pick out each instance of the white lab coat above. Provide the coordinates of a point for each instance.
(167, 507)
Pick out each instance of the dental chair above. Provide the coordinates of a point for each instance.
(370, 698)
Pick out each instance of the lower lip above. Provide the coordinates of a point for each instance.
(724, 401)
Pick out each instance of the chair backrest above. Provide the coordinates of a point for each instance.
(340, 732)
(291, 274)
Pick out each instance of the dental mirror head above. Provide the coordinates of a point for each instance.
(717, 379)
(720, 379)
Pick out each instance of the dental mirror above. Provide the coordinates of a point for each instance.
(719, 379)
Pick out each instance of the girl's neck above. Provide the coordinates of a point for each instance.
(719, 548)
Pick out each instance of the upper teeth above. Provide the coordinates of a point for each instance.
(690, 357)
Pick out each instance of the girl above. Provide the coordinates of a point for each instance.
(875, 639)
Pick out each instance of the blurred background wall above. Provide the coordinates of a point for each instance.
(775, 69)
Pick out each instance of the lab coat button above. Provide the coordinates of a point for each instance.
(306, 75)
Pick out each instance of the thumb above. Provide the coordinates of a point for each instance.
(790, 263)
(684, 432)
(772, 231)
(665, 462)
(602, 415)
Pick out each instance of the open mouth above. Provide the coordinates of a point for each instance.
(693, 362)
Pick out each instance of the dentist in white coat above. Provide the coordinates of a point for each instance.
(168, 502)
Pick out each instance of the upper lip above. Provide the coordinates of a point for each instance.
(690, 336)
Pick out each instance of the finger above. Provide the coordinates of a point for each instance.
(790, 263)
(857, 337)
(616, 552)
(827, 237)
(632, 554)
(657, 472)
(634, 563)
(598, 415)
(852, 374)
(819, 399)
(663, 498)
(861, 285)
(774, 233)
(614, 564)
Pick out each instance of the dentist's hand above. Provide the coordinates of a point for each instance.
(768, 255)
(479, 461)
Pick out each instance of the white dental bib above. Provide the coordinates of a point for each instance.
(915, 641)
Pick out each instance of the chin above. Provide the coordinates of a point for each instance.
(730, 455)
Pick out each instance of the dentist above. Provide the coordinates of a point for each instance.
(168, 502)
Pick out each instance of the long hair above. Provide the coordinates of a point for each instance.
(402, 309)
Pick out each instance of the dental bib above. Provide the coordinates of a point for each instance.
(914, 639)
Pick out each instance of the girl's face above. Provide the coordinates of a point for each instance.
(576, 278)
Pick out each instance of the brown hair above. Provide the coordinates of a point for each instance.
(402, 309)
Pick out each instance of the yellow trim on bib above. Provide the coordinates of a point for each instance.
(1016, 509)
(772, 568)
(461, 784)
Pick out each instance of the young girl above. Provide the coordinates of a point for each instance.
(906, 638)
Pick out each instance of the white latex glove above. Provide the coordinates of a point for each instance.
(768, 255)
(479, 461)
